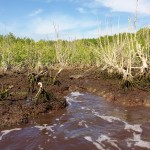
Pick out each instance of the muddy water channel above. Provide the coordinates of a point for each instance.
(89, 123)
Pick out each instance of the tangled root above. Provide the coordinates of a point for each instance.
(42, 95)
(127, 82)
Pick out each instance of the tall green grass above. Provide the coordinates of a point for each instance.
(122, 53)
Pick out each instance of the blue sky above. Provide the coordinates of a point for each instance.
(73, 19)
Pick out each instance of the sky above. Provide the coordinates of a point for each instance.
(71, 19)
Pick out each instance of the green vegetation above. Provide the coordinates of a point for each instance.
(125, 55)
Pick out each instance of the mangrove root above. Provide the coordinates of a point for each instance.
(34, 78)
(55, 79)
(42, 95)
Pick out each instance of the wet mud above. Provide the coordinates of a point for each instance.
(19, 107)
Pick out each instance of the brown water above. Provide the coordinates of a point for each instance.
(89, 123)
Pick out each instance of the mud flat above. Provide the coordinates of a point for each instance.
(19, 106)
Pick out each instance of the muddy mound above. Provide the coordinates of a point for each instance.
(19, 103)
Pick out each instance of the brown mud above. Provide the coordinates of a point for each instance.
(19, 108)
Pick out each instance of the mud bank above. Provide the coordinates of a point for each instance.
(94, 81)
(18, 107)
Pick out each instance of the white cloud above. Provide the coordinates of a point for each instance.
(36, 12)
(68, 29)
(37, 27)
(108, 31)
(81, 10)
(126, 5)
(71, 28)
(43, 27)
(62, 22)
(95, 33)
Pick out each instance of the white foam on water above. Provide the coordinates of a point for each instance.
(143, 144)
(82, 107)
(129, 143)
(86, 126)
(71, 99)
(128, 127)
(81, 122)
(61, 125)
(88, 138)
(45, 124)
(108, 118)
(68, 99)
(45, 127)
(76, 94)
(98, 143)
(41, 148)
(139, 142)
(54, 137)
(106, 138)
(8, 131)
(136, 137)
(135, 127)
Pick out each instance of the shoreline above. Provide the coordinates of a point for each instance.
(16, 110)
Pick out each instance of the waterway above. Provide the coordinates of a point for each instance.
(89, 122)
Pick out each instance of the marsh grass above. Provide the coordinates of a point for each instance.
(125, 56)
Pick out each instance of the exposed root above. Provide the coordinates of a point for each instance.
(55, 79)
(42, 95)
(34, 79)
(127, 82)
